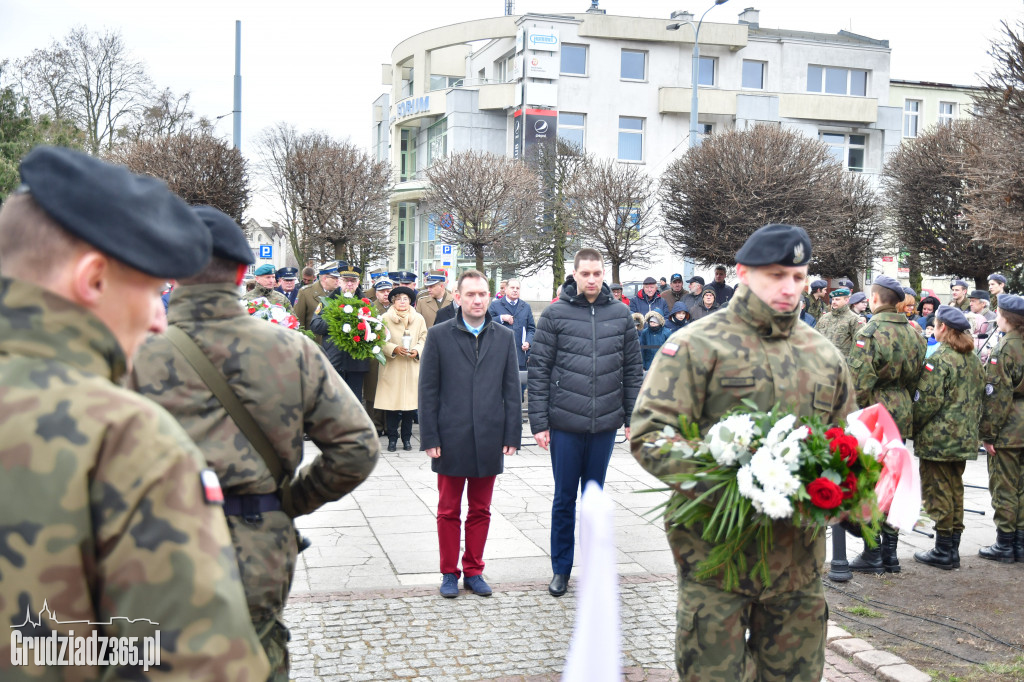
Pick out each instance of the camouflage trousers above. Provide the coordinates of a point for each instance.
(274, 637)
(1006, 483)
(787, 634)
(942, 492)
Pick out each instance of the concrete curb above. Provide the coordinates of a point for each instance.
(880, 663)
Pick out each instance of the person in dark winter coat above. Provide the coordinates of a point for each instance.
(469, 373)
(648, 299)
(925, 309)
(707, 303)
(804, 315)
(514, 313)
(679, 317)
(351, 370)
(653, 335)
(585, 373)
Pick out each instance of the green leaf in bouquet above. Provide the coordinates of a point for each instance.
(754, 407)
(683, 450)
(832, 475)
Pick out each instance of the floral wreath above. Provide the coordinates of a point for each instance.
(353, 329)
(262, 309)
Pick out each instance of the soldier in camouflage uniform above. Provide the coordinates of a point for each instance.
(886, 361)
(996, 287)
(1002, 430)
(288, 386)
(818, 303)
(755, 349)
(959, 299)
(106, 513)
(266, 280)
(947, 409)
(841, 324)
(311, 296)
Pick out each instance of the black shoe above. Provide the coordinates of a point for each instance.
(406, 445)
(559, 584)
(941, 556)
(889, 561)
(392, 445)
(956, 548)
(1018, 545)
(1002, 550)
(869, 561)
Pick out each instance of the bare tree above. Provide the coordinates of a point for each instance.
(926, 185)
(483, 201)
(165, 114)
(90, 79)
(615, 206)
(197, 166)
(847, 240)
(333, 196)
(716, 195)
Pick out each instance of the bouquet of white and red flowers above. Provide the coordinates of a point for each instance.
(263, 309)
(352, 327)
(755, 467)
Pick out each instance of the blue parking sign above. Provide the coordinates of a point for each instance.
(266, 251)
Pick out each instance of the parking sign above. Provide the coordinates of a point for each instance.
(266, 251)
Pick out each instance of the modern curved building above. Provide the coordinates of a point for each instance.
(621, 87)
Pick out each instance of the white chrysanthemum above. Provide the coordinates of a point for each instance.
(745, 482)
(776, 505)
(370, 336)
(376, 349)
(798, 434)
(789, 453)
(742, 428)
(346, 328)
(771, 473)
(781, 429)
(727, 453)
(347, 310)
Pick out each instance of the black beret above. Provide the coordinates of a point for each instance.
(952, 317)
(978, 293)
(819, 284)
(858, 297)
(402, 290)
(133, 218)
(1011, 303)
(776, 244)
(997, 277)
(890, 283)
(229, 241)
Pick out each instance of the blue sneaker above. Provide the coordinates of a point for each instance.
(450, 586)
(477, 585)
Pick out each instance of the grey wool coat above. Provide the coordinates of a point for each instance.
(469, 398)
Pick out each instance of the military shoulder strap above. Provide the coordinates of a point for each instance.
(243, 419)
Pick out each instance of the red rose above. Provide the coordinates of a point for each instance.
(365, 300)
(846, 447)
(366, 311)
(361, 326)
(824, 493)
(834, 433)
(849, 486)
(252, 310)
(356, 338)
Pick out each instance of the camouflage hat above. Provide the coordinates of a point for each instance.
(229, 242)
(836, 293)
(265, 269)
(952, 317)
(1009, 303)
(890, 283)
(133, 218)
(776, 244)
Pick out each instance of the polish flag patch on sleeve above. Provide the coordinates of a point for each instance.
(929, 366)
(670, 349)
(994, 361)
(212, 492)
(861, 343)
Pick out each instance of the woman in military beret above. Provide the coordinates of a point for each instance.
(1002, 431)
(947, 409)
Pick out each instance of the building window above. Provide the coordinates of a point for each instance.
(631, 138)
(499, 70)
(443, 82)
(437, 141)
(947, 112)
(407, 151)
(571, 127)
(406, 236)
(574, 60)
(706, 71)
(834, 80)
(849, 150)
(753, 74)
(428, 244)
(634, 65)
(705, 129)
(911, 117)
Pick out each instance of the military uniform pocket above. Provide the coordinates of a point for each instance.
(824, 396)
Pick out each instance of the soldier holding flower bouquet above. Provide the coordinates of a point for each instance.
(756, 350)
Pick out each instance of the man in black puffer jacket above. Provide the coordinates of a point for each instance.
(584, 376)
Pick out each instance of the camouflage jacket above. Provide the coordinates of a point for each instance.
(275, 297)
(886, 361)
(102, 514)
(839, 326)
(307, 302)
(947, 406)
(705, 369)
(1002, 422)
(290, 389)
(964, 305)
(817, 307)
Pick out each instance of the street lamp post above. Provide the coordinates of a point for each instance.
(694, 76)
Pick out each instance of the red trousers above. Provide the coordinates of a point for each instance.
(449, 521)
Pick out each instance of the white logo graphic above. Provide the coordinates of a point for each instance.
(541, 127)
(82, 650)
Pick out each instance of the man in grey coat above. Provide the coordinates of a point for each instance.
(469, 373)
(514, 313)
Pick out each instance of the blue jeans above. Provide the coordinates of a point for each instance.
(575, 459)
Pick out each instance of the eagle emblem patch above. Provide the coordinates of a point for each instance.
(798, 253)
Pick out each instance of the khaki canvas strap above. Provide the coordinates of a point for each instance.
(243, 419)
